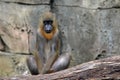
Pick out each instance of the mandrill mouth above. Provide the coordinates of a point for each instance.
(48, 28)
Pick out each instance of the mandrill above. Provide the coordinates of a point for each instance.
(48, 58)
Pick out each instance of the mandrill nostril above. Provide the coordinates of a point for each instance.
(48, 31)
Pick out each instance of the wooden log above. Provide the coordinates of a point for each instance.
(108, 68)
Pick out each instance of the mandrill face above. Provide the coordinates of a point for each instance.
(48, 25)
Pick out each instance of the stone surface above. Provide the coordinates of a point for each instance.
(12, 65)
(79, 30)
(16, 24)
(91, 34)
(90, 4)
(108, 26)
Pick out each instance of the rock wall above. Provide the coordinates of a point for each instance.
(18, 24)
(90, 28)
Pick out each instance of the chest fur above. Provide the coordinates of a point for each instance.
(47, 50)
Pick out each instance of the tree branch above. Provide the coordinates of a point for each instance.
(108, 68)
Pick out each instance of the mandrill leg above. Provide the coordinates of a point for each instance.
(31, 63)
(61, 63)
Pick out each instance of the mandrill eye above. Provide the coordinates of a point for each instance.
(48, 22)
